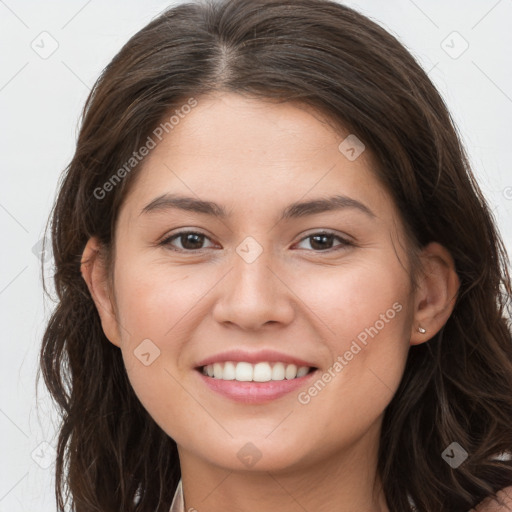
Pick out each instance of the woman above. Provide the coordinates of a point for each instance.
(280, 287)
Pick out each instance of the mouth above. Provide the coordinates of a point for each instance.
(255, 384)
(254, 377)
(264, 371)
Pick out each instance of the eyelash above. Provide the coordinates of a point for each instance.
(167, 241)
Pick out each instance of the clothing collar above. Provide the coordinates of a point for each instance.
(178, 504)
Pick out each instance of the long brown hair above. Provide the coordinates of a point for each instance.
(457, 387)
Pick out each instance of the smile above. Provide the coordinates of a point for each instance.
(259, 372)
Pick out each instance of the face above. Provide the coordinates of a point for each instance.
(324, 286)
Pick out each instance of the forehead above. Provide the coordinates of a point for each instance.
(259, 153)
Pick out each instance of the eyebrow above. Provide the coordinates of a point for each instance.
(294, 210)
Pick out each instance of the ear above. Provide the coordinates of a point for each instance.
(436, 294)
(95, 275)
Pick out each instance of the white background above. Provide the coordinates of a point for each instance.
(40, 103)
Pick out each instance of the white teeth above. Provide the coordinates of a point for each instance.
(229, 371)
(278, 371)
(259, 372)
(217, 370)
(291, 371)
(262, 372)
(303, 370)
(243, 372)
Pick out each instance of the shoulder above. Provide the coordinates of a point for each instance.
(491, 505)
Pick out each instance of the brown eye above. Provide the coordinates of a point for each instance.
(188, 241)
(324, 241)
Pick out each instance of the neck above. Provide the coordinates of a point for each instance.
(345, 481)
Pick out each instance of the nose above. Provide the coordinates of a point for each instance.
(254, 294)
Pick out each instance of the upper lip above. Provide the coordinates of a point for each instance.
(260, 356)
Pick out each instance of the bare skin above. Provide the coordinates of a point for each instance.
(255, 158)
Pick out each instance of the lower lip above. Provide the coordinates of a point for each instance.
(255, 392)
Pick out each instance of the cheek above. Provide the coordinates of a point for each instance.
(157, 307)
(364, 316)
(153, 299)
(365, 320)
(355, 297)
